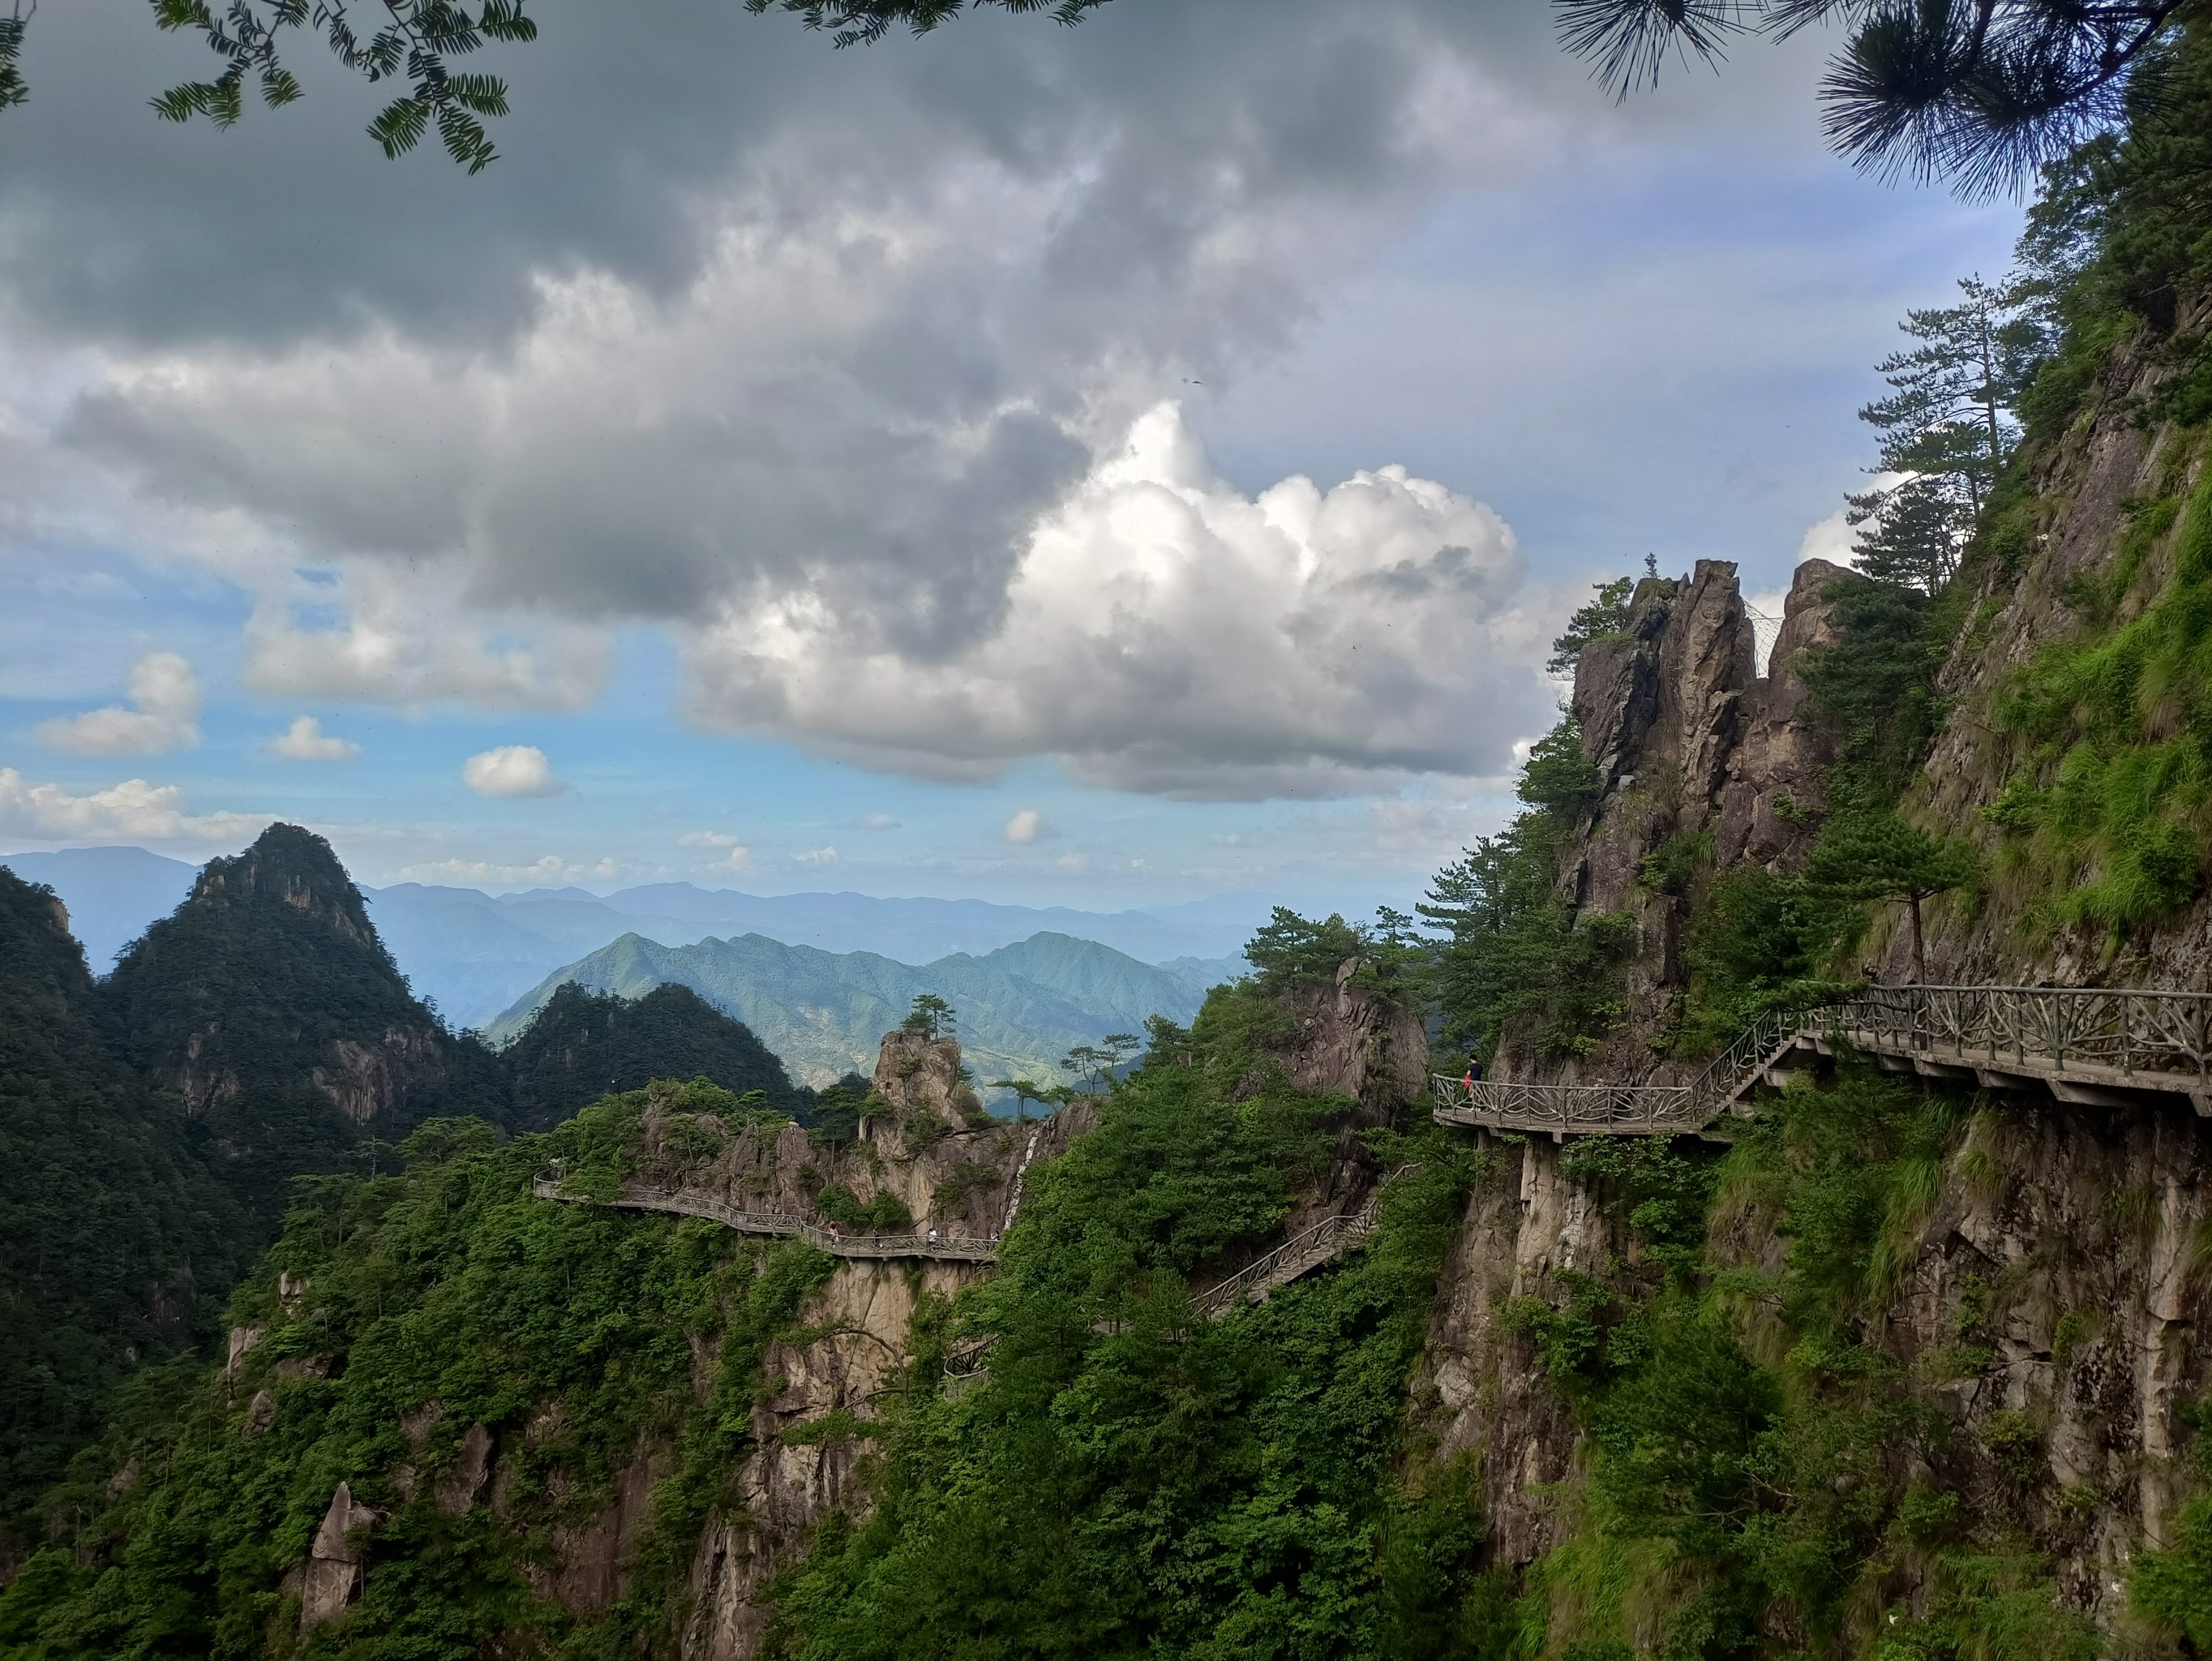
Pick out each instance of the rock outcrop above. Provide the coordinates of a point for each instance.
(2054, 1261)
(331, 1578)
(1695, 750)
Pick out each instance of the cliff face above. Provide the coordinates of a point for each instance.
(2042, 1340)
(2089, 556)
(1694, 751)
(822, 1389)
(267, 1004)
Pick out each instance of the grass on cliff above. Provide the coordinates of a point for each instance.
(1130, 1479)
(2106, 824)
(436, 1297)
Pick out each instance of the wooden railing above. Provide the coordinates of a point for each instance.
(871, 1243)
(2163, 1034)
(2139, 1039)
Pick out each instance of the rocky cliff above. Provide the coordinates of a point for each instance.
(1700, 761)
(2097, 579)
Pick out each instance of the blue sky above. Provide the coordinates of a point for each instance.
(920, 526)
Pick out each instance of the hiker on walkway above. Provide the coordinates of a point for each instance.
(933, 1237)
(1473, 1072)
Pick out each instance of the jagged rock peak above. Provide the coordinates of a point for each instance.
(920, 1077)
(286, 865)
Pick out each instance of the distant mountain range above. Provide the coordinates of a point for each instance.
(473, 954)
(1021, 1008)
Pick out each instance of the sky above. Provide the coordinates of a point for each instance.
(1109, 466)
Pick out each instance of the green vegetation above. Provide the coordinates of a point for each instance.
(1603, 616)
(1750, 1438)
(583, 1340)
(585, 1044)
(2108, 817)
(1948, 427)
(1516, 952)
(1130, 1479)
(117, 1247)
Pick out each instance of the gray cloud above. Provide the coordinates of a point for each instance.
(792, 351)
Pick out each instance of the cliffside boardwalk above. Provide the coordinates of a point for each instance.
(858, 1243)
(2085, 1044)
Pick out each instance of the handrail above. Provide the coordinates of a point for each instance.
(689, 1203)
(2141, 1036)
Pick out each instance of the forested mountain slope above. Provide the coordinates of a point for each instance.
(116, 1246)
(269, 1007)
(583, 1045)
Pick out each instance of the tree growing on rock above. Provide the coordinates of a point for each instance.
(930, 1016)
(1878, 857)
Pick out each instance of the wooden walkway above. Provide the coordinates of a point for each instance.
(2086, 1044)
(839, 1243)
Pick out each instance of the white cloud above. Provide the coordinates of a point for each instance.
(165, 697)
(818, 856)
(378, 636)
(1027, 825)
(491, 873)
(1164, 632)
(512, 770)
(135, 810)
(736, 856)
(304, 740)
(878, 821)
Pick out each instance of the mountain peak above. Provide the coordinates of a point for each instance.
(288, 866)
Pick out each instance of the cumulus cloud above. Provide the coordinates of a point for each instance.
(164, 715)
(512, 770)
(304, 740)
(878, 821)
(135, 810)
(619, 402)
(818, 856)
(1027, 825)
(736, 856)
(1165, 632)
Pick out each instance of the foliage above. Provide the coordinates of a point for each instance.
(1516, 949)
(1128, 1479)
(410, 37)
(1748, 1434)
(1604, 617)
(930, 1016)
(1882, 856)
(1947, 429)
(441, 1298)
(583, 1044)
(1981, 95)
(117, 1248)
(884, 1212)
(2108, 812)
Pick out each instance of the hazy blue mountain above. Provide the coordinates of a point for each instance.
(111, 893)
(474, 954)
(1021, 1008)
(915, 930)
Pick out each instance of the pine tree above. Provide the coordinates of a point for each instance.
(1878, 857)
(1948, 427)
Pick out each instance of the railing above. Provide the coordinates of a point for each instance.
(2158, 1039)
(874, 1243)
(2160, 1033)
